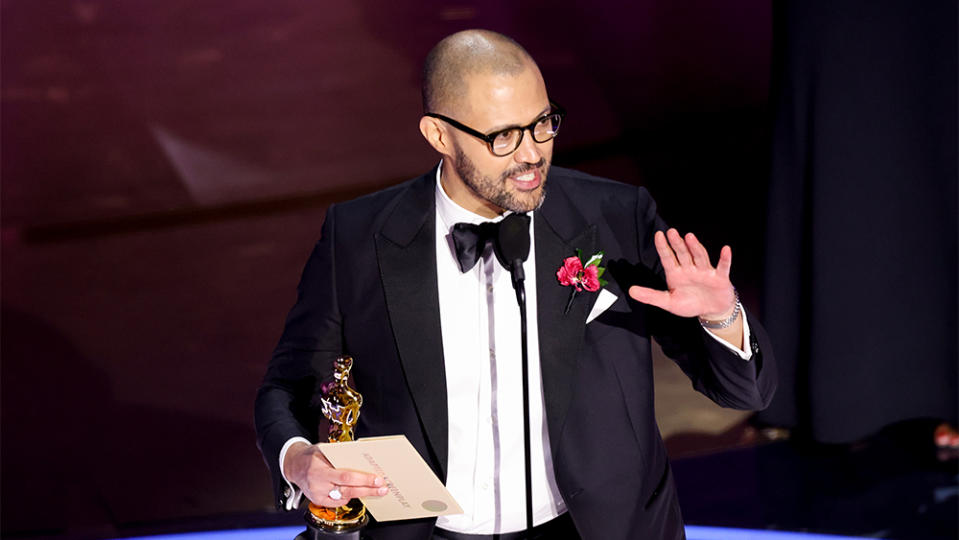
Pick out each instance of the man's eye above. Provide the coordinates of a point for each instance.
(544, 127)
(505, 138)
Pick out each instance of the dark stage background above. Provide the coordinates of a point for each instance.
(166, 166)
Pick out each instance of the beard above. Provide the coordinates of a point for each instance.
(495, 191)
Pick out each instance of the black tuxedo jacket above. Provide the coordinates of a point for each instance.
(369, 290)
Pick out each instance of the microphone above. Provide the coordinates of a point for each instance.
(512, 246)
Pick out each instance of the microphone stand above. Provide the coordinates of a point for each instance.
(512, 247)
(516, 272)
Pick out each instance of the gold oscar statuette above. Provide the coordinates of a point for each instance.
(341, 405)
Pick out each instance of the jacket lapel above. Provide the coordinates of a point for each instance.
(559, 230)
(405, 249)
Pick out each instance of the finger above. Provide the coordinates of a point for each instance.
(653, 297)
(357, 479)
(322, 482)
(348, 492)
(324, 499)
(725, 261)
(666, 255)
(679, 246)
(700, 255)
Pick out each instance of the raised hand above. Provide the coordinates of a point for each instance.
(695, 288)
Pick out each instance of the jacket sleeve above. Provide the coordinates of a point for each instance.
(285, 406)
(715, 371)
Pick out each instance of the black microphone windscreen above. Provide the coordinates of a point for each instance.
(512, 242)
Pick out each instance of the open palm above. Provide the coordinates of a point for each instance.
(695, 287)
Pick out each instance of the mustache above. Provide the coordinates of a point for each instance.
(522, 169)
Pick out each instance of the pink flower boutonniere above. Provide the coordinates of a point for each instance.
(581, 274)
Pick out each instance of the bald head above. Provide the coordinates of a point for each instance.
(464, 54)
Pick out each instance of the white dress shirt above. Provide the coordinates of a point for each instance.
(482, 349)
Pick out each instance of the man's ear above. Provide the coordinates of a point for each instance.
(435, 133)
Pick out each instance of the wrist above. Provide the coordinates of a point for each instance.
(289, 460)
(725, 319)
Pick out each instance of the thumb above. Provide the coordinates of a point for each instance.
(649, 296)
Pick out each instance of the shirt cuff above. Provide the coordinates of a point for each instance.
(293, 501)
(745, 355)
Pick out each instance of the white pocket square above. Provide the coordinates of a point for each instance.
(603, 302)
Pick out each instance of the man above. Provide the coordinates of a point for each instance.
(436, 338)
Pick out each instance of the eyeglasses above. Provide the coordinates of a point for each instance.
(505, 141)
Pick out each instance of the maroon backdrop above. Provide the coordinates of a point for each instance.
(165, 170)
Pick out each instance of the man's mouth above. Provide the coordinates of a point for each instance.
(527, 181)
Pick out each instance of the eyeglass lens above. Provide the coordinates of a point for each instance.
(509, 140)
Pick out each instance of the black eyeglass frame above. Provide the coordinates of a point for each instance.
(489, 138)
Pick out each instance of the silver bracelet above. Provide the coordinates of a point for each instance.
(715, 325)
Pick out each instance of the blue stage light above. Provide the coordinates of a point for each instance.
(692, 533)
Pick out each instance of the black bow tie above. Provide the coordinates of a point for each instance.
(471, 240)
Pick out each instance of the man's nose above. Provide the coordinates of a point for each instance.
(528, 151)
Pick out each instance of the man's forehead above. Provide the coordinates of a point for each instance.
(506, 98)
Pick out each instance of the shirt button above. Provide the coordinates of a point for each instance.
(489, 288)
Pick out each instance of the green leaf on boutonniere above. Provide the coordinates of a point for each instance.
(594, 260)
(600, 270)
